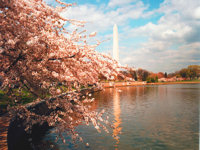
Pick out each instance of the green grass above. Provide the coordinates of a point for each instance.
(197, 81)
(23, 97)
(190, 81)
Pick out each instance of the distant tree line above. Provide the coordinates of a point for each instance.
(190, 73)
(142, 75)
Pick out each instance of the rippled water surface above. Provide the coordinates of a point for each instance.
(146, 117)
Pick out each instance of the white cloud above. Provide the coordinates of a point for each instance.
(114, 3)
(170, 43)
(94, 17)
(132, 11)
(101, 19)
(197, 13)
(168, 60)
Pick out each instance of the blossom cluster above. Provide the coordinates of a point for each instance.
(37, 53)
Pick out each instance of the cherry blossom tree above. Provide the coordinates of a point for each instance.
(39, 54)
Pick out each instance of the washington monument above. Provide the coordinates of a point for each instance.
(115, 43)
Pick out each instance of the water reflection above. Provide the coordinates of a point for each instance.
(116, 105)
(149, 117)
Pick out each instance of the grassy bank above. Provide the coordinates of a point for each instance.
(177, 82)
(23, 97)
(143, 83)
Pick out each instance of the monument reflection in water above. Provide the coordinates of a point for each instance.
(116, 105)
(149, 117)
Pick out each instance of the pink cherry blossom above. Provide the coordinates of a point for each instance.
(39, 55)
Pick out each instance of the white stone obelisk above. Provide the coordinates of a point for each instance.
(115, 43)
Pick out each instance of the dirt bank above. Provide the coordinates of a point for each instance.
(121, 84)
(183, 82)
(4, 123)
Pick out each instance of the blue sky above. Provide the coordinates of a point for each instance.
(157, 35)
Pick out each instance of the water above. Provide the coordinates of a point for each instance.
(146, 117)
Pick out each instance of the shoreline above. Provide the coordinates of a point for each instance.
(184, 82)
(4, 123)
(123, 84)
(5, 119)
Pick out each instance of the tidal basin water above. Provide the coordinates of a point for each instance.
(145, 117)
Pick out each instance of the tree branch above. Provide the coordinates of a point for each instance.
(62, 58)
(22, 81)
(14, 63)
(57, 58)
